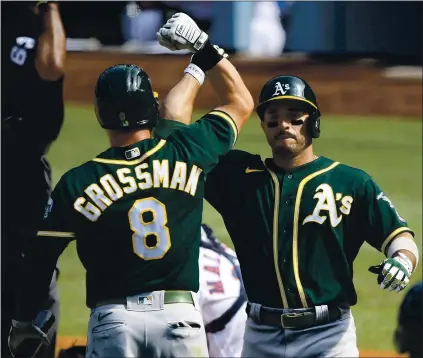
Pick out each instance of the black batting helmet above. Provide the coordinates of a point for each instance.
(125, 100)
(408, 333)
(291, 88)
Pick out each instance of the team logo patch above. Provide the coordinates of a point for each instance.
(48, 208)
(383, 197)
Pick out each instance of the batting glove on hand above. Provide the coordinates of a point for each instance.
(393, 273)
(182, 33)
(25, 338)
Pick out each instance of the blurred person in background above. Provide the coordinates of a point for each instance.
(222, 296)
(267, 33)
(409, 331)
(33, 60)
(142, 19)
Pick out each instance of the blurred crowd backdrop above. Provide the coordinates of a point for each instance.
(384, 29)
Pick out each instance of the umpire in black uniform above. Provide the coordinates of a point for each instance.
(32, 110)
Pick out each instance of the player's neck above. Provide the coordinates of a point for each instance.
(124, 139)
(288, 162)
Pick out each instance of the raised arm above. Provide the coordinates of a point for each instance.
(233, 96)
(51, 45)
(181, 32)
(179, 102)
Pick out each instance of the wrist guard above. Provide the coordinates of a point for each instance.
(208, 57)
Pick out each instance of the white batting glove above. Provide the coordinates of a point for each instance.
(182, 33)
(393, 273)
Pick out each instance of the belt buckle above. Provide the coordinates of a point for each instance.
(293, 316)
(287, 315)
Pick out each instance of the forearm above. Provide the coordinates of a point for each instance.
(40, 260)
(34, 283)
(179, 103)
(51, 45)
(230, 89)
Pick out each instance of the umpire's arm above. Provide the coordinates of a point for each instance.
(40, 259)
(51, 45)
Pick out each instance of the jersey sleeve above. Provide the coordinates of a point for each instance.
(165, 127)
(59, 214)
(381, 222)
(224, 183)
(41, 255)
(206, 140)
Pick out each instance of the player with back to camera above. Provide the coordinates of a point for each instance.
(135, 211)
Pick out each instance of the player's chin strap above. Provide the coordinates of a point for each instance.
(220, 323)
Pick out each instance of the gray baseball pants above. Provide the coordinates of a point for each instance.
(146, 327)
(334, 339)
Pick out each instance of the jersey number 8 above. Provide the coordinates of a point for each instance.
(156, 227)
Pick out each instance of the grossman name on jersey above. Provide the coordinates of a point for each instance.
(108, 189)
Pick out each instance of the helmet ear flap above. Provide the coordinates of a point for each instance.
(314, 124)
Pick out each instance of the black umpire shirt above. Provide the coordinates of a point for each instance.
(32, 109)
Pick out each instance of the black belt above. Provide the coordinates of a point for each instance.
(300, 319)
(169, 297)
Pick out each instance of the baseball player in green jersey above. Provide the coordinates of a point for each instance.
(297, 222)
(135, 211)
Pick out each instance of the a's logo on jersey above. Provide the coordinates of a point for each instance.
(132, 153)
(382, 196)
(48, 208)
(281, 89)
(327, 204)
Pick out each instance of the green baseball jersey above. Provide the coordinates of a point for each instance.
(136, 211)
(297, 232)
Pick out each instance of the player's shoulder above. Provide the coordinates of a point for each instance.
(76, 174)
(352, 173)
(242, 160)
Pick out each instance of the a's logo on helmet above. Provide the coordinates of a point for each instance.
(280, 89)
(122, 118)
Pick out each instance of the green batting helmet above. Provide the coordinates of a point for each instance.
(125, 100)
(291, 88)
